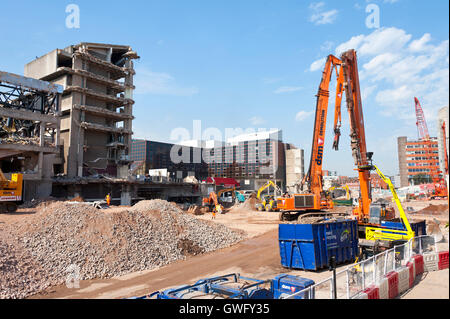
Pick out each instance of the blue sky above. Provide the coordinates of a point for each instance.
(256, 64)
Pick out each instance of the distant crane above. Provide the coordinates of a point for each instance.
(421, 123)
(424, 135)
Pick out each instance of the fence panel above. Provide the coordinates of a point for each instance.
(390, 261)
(428, 244)
(324, 289)
(341, 284)
(355, 278)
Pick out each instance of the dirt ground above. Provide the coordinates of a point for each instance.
(433, 285)
(258, 256)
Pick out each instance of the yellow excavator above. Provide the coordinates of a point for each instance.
(379, 233)
(267, 202)
(10, 192)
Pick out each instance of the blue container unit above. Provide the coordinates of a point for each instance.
(286, 285)
(310, 246)
(230, 286)
(419, 227)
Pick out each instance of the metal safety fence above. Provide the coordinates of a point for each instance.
(355, 278)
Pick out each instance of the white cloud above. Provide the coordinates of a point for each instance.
(421, 44)
(287, 89)
(257, 120)
(303, 115)
(319, 16)
(317, 65)
(159, 83)
(378, 42)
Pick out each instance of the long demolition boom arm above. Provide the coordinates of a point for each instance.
(314, 176)
(357, 130)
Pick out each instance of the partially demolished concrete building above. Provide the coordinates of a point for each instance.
(96, 106)
(29, 132)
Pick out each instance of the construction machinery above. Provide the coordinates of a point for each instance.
(212, 203)
(10, 192)
(440, 186)
(230, 195)
(370, 215)
(337, 192)
(267, 202)
(378, 215)
(313, 198)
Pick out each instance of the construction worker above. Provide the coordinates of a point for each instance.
(218, 209)
(108, 199)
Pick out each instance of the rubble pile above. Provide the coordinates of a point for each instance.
(16, 139)
(104, 244)
(433, 210)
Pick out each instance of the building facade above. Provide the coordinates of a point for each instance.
(29, 132)
(180, 161)
(96, 105)
(250, 159)
(417, 160)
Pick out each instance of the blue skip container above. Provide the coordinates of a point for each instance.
(310, 246)
(286, 285)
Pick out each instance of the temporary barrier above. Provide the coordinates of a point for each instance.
(403, 279)
(443, 260)
(383, 287)
(430, 261)
(392, 284)
(418, 264)
(391, 271)
(412, 273)
(373, 292)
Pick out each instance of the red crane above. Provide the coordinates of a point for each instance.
(421, 123)
(435, 174)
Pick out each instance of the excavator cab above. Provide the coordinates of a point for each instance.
(267, 204)
(380, 211)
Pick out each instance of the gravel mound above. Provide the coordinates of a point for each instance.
(65, 238)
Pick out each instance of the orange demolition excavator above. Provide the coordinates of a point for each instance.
(313, 198)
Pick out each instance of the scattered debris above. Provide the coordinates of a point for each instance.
(103, 244)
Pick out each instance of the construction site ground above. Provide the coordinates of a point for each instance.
(255, 256)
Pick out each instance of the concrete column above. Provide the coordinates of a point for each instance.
(40, 164)
(42, 134)
(125, 195)
(403, 169)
